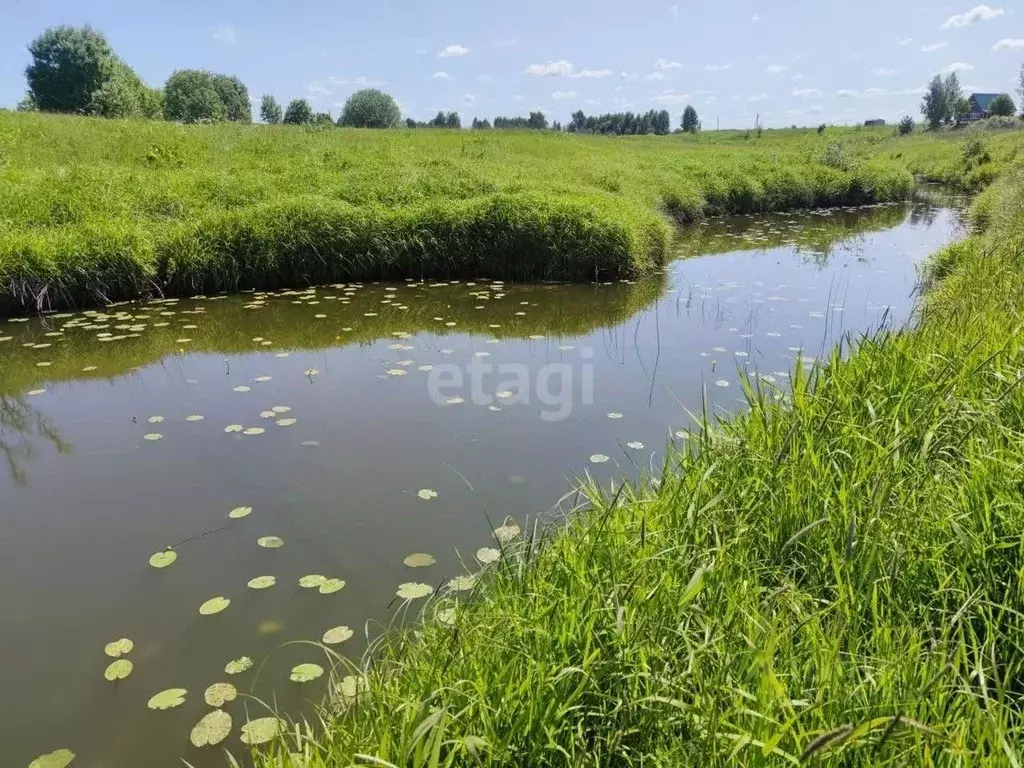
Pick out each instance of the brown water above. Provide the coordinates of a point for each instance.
(608, 370)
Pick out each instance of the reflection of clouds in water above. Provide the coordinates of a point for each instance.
(21, 426)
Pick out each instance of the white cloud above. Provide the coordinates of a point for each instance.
(655, 76)
(957, 66)
(593, 73)
(906, 41)
(934, 46)
(674, 10)
(551, 69)
(564, 95)
(226, 34)
(669, 97)
(806, 92)
(483, 78)
(883, 72)
(316, 89)
(873, 93)
(777, 69)
(717, 67)
(442, 75)
(452, 51)
(977, 13)
(755, 18)
(469, 98)
(1009, 45)
(666, 64)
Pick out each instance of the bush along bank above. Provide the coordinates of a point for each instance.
(832, 577)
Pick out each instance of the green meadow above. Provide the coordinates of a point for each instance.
(96, 210)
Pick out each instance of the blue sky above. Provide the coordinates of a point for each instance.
(796, 61)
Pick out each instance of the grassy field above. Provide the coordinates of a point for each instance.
(832, 579)
(94, 210)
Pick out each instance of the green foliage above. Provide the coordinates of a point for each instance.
(69, 65)
(323, 120)
(193, 96)
(299, 112)
(235, 98)
(124, 95)
(934, 105)
(906, 126)
(270, 110)
(1003, 106)
(370, 108)
(622, 123)
(953, 98)
(452, 120)
(691, 121)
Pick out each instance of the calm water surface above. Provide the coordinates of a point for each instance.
(593, 371)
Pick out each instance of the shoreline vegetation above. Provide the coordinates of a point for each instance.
(832, 577)
(95, 210)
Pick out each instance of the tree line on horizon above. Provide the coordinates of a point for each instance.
(75, 70)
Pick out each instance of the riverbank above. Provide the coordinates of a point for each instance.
(98, 210)
(835, 577)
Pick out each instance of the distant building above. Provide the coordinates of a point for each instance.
(876, 121)
(981, 107)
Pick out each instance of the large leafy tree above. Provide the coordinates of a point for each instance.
(69, 65)
(954, 96)
(270, 110)
(934, 104)
(370, 108)
(235, 97)
(298, 113)
(191, 96)
(1003, 106)
(691, 121)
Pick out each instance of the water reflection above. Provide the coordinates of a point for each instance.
(21, 427)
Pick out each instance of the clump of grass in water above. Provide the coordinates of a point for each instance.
(835, 579)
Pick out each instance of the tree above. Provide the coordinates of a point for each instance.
(906, 125)
(933, 105)
(955, 101)
(323, 119)
(270, 110)
(235, 98)
(298, 113)
(1020, 87)
(69, 65)
(452, 120)
(690, 119)
(410, 123)
(370, 108)
(537, 121)
(439, 121)
(191, 95)
(1003, 106)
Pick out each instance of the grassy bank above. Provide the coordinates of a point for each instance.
(833, 579)
(94, 210)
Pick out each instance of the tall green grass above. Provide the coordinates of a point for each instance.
(95, 210)
(833, 577)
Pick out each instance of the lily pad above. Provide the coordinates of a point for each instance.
(118, 647)
(336, 635)
(598, 458)
(281, 408)
(262, 582)
(270, 542)
(285, 422)
(312, 581)
(195, 417)
(488, 555)
(636, 445)
(254, 431)
(169, 699)
(426, 493)
(614, 415)
(214, 605)
(305, 673)
(241, 388)
(350, 687)
(462, 583)
(212, 729)
(506, 533)
(233, 428)
(238, 666)
(413, 591)
(239, 512)
(163, 559)
(331, 586)
(219, 694)
(446, 616)
(419, 560)
(261, 730)
(156, 419)
(60, 758)
(118, 670)
(153, 436)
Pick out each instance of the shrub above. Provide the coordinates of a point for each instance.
(1003, 106)
(834, 156)
(270, 110)
(235, 98)
(974, 152)
(907, 125)
(298, 113)
(370, 108)
(821, 129)
(191, 96)
(69, 65)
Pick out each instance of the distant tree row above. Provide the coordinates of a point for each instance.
(368, 108)
(441, 120)
(622, 123)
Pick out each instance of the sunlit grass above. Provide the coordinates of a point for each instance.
(830, 577)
